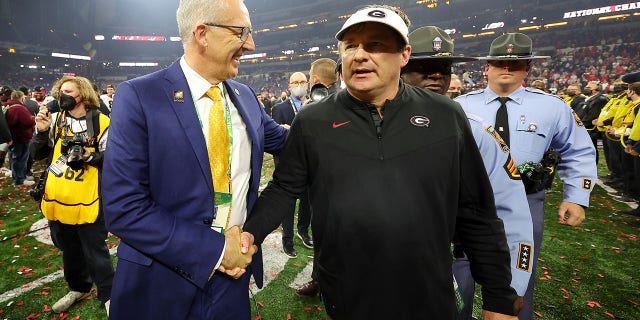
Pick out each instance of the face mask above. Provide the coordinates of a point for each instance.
(571, 93)
(453, 95)
(67, 102)
(298, 91)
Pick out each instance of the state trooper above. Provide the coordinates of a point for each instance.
(429, 67)
(531, 123)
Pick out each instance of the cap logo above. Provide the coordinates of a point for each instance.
(437, 44)
(510, 48)
(377, 14)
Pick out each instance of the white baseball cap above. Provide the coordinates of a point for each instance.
(379, 15)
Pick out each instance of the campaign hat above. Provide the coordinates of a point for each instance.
(431, 42)
(512, 46)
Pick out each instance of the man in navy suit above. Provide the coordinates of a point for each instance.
(173, 263)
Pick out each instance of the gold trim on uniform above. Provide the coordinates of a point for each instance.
(512, 170)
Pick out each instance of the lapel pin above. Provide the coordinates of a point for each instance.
(178, 96)
(236, 91)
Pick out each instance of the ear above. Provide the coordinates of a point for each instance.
(199, 35)
(406, 53)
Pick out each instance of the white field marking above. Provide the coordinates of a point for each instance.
(272, 255)
(303, 277)
(611, 191)
(43, 236)
(273, 259)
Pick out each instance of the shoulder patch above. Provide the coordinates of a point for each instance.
(587, 184)
(503, 145)
(511, 169)
(524, 257)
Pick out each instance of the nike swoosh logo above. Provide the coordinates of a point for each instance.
(336, 125)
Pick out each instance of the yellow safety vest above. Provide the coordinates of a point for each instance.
(73, 198)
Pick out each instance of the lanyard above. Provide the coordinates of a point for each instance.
(227, 118)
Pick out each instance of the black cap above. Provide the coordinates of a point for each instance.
(5, 89)
(631, 77)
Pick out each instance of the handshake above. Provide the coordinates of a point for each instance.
(238, 252)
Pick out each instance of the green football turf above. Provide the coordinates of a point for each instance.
(586, 272)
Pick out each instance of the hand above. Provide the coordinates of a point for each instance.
(234, 261)
(570, 214)
(246, 243)
(286, 126)
(490, 315)
(43, 119)
(633, 152)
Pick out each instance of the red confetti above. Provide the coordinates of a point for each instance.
(564, 290)
(273, 274)
(609, 314)
(593, 304)
(20, 304)
(632, 302)
(288, 316)
(296, 264)
(319, 308)
(258, 318)
(538, 314)
(46, 308)
(566, 298)
(600, 275)
(261, 304)
(307, 308)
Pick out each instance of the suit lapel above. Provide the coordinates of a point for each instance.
(185, 111)
(241, 99)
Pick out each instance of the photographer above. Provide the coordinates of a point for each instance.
(323, 76)
(74, 141)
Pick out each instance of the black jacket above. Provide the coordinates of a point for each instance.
(590, 109)
(386, 203)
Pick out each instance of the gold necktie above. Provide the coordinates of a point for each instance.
(218, 143)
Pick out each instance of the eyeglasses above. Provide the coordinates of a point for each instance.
(244, 31)
(298, 83)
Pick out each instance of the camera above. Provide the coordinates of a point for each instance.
(73, 148)
(38, 191)
(318, 92)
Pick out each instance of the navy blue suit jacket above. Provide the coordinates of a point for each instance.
(283, 112)
(158, 194)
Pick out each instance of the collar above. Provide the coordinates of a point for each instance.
(197, 84)
(516, 96)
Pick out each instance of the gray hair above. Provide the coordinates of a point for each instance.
(192, 12)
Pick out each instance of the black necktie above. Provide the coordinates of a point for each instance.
(502, 120)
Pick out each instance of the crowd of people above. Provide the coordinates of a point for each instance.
(359, 157)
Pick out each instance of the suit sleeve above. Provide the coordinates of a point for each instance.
(277, 114)
(511, 202)
(136, 151)
(480, 231)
